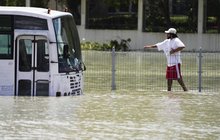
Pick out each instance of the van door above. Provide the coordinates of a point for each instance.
(32, 68)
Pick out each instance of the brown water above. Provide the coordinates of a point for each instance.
(97, 116)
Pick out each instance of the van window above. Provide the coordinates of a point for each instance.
(6, 23)
(67, 38)
(32, 23)
(5, 46)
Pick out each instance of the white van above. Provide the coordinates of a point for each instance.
(40, 53)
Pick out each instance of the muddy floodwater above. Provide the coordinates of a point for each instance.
(115, 116)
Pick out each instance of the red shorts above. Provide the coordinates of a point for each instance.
(173, 72)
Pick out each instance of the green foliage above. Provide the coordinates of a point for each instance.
(122, 45)
(158, 17)
(39, 3)
(95, 46)
(15, 2)
(114, 22)
(112, 14)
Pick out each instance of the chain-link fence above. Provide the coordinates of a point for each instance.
(147, 70)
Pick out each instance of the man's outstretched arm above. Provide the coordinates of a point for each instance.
(150, 46)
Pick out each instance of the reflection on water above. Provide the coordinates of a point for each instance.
(140, 115)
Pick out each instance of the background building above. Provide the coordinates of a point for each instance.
(143, 21)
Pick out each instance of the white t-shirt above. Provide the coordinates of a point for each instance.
(166, 46)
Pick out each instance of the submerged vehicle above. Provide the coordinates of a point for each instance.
(40, 53)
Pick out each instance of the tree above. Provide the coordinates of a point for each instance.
(212, 11)
(74, 7)
(156, 15)
(165, 12)
(15, 2)
(39, 3)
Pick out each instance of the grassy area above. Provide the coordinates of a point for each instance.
(146, 71)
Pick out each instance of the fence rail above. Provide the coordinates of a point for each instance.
(146, 71)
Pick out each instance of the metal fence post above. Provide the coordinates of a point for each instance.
(200, 70)
(113, 69)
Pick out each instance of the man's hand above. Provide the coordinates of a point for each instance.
(172, 51)
(147, 46)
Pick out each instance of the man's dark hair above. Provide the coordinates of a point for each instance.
(174, 35)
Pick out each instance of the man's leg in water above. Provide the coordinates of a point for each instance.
(169, 84)
(180, 81)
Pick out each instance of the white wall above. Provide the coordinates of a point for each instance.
(139, 39)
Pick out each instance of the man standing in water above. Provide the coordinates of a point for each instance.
(172, 47)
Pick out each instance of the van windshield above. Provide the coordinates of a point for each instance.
(68, 44)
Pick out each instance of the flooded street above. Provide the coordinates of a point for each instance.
(139, 115)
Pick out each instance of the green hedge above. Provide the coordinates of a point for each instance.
(122, 45)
